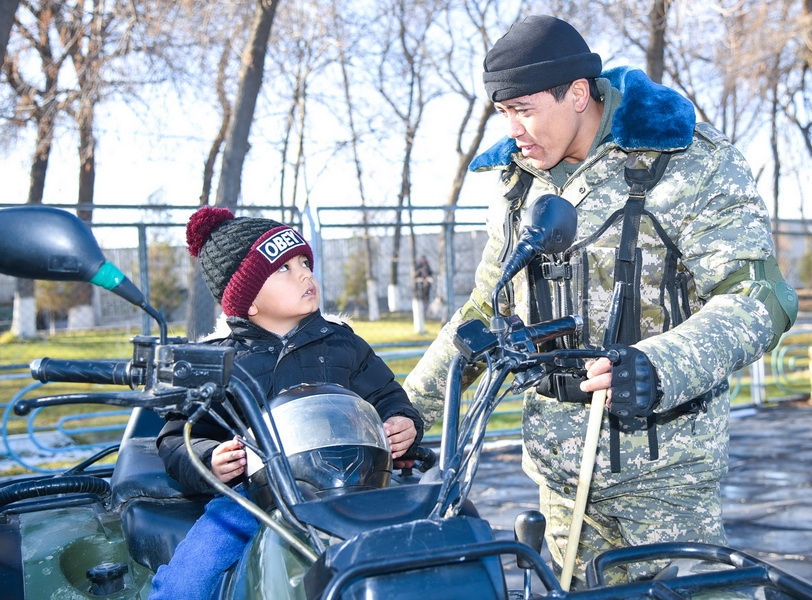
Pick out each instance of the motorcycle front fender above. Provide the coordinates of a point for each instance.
(268, 570)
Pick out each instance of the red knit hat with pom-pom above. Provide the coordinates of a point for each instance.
(237, 254)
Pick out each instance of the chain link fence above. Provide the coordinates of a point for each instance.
(151, 251)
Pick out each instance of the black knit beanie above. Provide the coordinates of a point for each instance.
(237, 254)
(535, 55)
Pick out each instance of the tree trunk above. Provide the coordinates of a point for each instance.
(404, 199)
(446, 276)
(776, 156)
(87, 164)
(298, 165)
(39, 162)
(88, 65)
(806, 20)
(8, 9)
(24, 317)
(373, 308)
(655, 53)
(24, 320)
(201, 313)
(225, 105)
(237, 146)
(200, 308)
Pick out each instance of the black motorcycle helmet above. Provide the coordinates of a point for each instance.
(334, 440)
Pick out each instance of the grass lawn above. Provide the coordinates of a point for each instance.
(115, 344)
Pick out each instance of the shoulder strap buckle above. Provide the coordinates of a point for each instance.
(644, 170)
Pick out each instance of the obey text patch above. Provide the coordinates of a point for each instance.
(279, 244)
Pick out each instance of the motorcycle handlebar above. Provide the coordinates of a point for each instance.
(112, 372)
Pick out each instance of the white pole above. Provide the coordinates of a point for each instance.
(758, 383)
(593, 431)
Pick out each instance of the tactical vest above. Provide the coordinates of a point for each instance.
(559, 285)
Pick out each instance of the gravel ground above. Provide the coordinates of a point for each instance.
(767, 492)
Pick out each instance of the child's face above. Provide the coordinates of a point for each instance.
(286, 297)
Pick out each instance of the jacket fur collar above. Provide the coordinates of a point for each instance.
(650, 117)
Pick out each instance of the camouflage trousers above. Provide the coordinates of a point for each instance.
(646, 517)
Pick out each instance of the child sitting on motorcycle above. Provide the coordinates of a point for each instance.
(261, 272)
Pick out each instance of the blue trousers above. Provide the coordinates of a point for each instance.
(215, 542)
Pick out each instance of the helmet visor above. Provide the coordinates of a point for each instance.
(322, 420)
(328, 420)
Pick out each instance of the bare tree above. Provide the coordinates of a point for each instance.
(250, 82)
(470, 27)
(89, 36)
(770, 70)
(345, 45)
(39, 104)
(403, 83)
(219, 138)
(655, 50)
(200, 305)
(785, 81)
(239, 117)
(743, 65)
(303, 47)
(84, 42)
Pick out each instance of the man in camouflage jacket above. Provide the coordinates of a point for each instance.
(571, 131)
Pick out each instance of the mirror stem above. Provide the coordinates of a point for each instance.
(159, 318)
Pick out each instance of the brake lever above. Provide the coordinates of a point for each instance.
(564, 359)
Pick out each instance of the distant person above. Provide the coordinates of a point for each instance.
(423, 278)
(261, 272)
(673, 264)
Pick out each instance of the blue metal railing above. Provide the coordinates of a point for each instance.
(790, 358)
(55, 441)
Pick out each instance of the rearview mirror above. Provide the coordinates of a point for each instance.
(43, 242)
(548, 226)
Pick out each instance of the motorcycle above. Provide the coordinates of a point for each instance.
(358, 532)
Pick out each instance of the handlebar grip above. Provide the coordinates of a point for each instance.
(555, 328)
(426, 456)
(114, 372)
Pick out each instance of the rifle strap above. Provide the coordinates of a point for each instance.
(643, 171)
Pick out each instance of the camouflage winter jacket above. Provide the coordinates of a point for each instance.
(708, 206)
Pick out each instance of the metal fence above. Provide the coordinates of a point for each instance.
(147, 244)
(151, 251)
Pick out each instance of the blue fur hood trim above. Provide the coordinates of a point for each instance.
(650, 117)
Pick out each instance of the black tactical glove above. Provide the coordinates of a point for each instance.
(635, 385)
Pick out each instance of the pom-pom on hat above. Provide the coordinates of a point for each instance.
(237, 254)
(535, 55)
